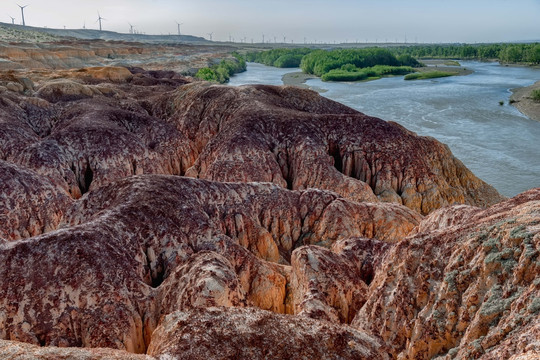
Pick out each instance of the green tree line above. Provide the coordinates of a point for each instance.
(222, 72)
(507, 53)
(281, 58)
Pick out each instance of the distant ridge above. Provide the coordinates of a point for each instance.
(89, 34)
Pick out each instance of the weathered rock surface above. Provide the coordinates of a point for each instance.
(95, 125)
(468, 288)
(298, 140)
(68, 53)
(232, 333)
(14, 350)
(29, 204)
(332, 284)
(146, 246)
(291, 203)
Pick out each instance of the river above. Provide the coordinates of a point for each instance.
(498, 143)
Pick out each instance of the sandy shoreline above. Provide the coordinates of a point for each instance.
(440, 65)
(299, 79)
(522, 101)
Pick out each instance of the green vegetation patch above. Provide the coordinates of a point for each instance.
(320, 62)
(339, 64)
(452, 63)
(351, 73)
(535, 95)
(509, 53)
(281, 58)
(429, 75)
(222, 72)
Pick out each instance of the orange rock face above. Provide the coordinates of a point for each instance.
(148, 214)
(468, 289)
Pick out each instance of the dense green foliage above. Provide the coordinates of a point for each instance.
(511, 53)
(351, 73)
(428, 75)
(358, 64)
(535, 95)
(340, 64)
(282, 58)
(223, 71)
(320, 62)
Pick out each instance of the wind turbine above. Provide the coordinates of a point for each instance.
(22, 12)
(130, 28)
(210, 35)
(12, 19)
(177, 23)
(263, 38)
(99, 19)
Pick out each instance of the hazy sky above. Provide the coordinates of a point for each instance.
(322, 20)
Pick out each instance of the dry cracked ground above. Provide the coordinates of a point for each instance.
(147, 216)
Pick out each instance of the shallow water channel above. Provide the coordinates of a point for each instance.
(498, 143)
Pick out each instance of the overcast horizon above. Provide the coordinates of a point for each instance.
(422, 21)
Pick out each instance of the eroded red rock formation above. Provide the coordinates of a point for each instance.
(256, 334)
(147, 246)
(301, 217)
(469, 289)
(299, 140)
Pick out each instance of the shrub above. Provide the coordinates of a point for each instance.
(535, 95)
(223, 71)
(351, 73)
(428, 75)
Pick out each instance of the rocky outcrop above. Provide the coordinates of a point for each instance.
(298, 140)
(68, 53)
(146, 246)
(315, 289)
(468, 289)
(96, 125)
(143, 212)
(14, 350)
(256, 334)
(29, 204)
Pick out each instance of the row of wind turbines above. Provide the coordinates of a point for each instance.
(22, 14)
(99, 20)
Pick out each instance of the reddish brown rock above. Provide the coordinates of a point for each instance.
(298, 139)
(146, 246)
(14, 350)
(292, 213)
(29, 204)
(333, 284)
(87, 143)
(224, 333)
(96, 125)
(465, 288)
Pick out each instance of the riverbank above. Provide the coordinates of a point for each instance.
(521, 99)
(299, 79)
(441, 65)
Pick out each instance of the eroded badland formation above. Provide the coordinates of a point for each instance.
(146, 215)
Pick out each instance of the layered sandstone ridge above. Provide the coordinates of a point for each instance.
(54, 53)
(144, 213)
